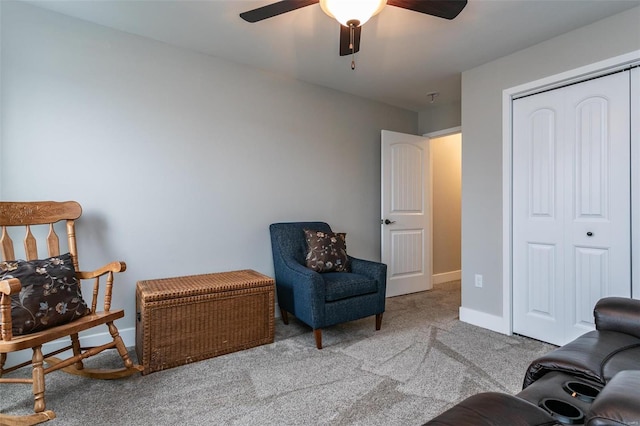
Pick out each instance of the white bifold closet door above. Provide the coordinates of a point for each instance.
(571, 206)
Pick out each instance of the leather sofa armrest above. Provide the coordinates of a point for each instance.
(619, 314)
(493, 409)
(617, 403)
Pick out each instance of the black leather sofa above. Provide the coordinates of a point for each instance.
(593, 380)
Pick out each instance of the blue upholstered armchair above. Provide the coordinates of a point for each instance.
(323, 299)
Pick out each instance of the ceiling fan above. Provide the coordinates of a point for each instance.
(352, 14)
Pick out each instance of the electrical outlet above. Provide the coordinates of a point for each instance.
(478, 280)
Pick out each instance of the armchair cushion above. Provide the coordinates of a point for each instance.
(50, 293)
(341, 285)
(326, 251)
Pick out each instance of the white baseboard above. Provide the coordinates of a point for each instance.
(484, 320)
(445, 277)
(128, 336)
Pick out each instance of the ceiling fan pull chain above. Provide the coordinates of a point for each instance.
(352, 46)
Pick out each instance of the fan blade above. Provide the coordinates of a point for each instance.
(345, 40)
(275, 9)
(447, 9)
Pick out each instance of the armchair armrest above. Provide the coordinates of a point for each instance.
(375, 270)
(618, 314)
(302, 290)
(368, 267)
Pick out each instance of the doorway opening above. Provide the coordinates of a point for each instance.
(446, 196)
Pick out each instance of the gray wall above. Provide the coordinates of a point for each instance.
(482, 145)
(439, 116)
(181, 161)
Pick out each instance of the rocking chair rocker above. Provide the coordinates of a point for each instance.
(35, 215)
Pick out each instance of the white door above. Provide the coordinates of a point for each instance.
(635, 182)
(405, 210)
(571, 206)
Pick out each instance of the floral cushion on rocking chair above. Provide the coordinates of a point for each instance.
(50, 293)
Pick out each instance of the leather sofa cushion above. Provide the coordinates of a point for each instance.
(493, 409)
(596, 355)
(341, 285)
(625, 359)
(617, 404)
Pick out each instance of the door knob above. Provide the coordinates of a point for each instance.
(389, 222)
(589, 234)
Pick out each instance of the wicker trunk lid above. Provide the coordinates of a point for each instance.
(187, 319)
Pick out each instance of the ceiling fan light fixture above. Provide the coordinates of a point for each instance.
(348, 11)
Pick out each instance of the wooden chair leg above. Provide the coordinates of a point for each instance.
(317, 333)
(122, 349)
(378, 321)
(38, 380)
(41, 415)
(75, 344)
(285, 316)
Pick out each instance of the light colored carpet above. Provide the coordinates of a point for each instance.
(422, 361)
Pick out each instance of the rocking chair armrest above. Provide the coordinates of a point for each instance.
(10, 286)
(117, 266)
(107, 270)
(7, 288)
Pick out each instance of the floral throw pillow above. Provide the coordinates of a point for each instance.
(50, 293)
(326, 251)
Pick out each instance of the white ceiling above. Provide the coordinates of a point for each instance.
(403, 54)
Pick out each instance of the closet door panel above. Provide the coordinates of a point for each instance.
(571, 191)
(538, 218)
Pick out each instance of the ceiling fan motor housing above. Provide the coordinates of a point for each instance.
(348, 11)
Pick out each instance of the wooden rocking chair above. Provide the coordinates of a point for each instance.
(30, 215)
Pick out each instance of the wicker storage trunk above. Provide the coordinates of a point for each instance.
(187, 319)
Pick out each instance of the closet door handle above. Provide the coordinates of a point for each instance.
(589, 234)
